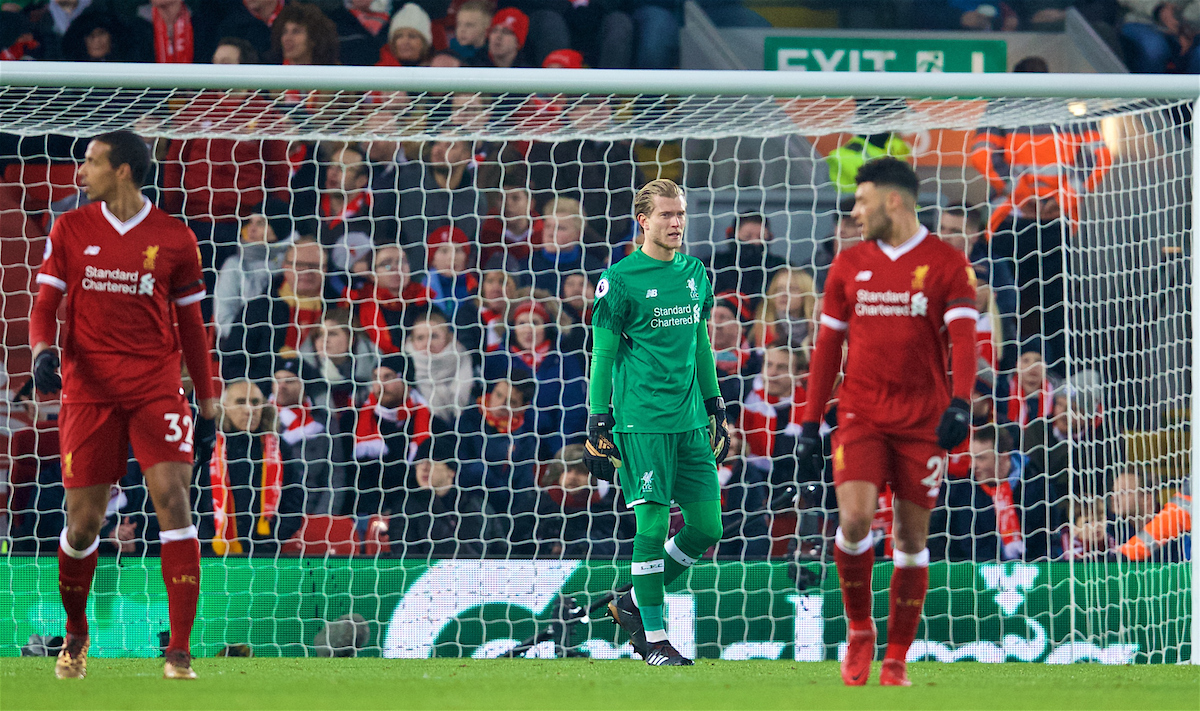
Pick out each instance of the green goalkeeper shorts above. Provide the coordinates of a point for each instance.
(661, 468)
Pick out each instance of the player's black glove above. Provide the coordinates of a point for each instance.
(955, 424)
(204, 436)
(600, 452)
(810, 453)
(45, 372)
(718, 432)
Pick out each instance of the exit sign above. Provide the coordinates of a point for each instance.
(883, 54)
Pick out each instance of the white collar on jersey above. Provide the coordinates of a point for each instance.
(124, 227)
(894, 253)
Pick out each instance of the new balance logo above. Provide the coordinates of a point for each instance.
(651, 293)
(864, 275)
(92, 250)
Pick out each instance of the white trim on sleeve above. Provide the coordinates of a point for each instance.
(52, 281)
(961, 312)
(190, 299)
(827, 320)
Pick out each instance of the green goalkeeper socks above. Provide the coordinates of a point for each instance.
(648, 562)
(701, 530)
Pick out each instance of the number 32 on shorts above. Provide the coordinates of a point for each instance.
(936, 467)
(179, 427)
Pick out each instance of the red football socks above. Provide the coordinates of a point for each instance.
(181, 574)
(75, 572)
(854, 576)
(910, 581)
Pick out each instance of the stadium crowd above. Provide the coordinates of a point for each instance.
(402, 328)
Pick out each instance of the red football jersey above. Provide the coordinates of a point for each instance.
(121, 279)
(894, 304)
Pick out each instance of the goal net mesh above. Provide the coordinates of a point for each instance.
(411, 484)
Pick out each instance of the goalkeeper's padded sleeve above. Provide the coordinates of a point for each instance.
(604, 351)
(194, 340)
(964, 358)
(823, 371)
(706, 365)
(43, 320)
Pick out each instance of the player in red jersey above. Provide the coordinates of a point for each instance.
(901, 299)
(129, 272)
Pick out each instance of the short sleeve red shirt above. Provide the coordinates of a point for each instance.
(894, 303)
(121, 283)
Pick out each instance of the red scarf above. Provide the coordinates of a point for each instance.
(354, 207)
(1018, 403)
(300, 323)
(225, 538)
(983, 339)
(534, 358)
(173, 45)
(274, 13)
(503, 426)
(299, 423)
(493, 329)
(372, 22)
(368, 441)
(1008, 524)
(372, 301)
(760, 416)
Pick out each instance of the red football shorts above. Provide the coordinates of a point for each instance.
(95, 437)
(913, 467)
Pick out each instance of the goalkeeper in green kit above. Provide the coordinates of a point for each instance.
(665, 431)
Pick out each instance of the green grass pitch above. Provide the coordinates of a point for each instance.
(262, 684)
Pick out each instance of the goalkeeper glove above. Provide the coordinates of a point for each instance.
(45, 372)
(718, 431)
(955, 424)
(810, 453)
(600, 452)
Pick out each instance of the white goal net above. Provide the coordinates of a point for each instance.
(401, 282)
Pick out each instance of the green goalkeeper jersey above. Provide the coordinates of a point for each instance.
(656, 309)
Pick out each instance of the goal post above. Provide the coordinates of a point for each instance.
(1112, 302)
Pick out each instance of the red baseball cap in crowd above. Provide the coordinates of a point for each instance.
(527, 307)
(513, 20)
(563, 59)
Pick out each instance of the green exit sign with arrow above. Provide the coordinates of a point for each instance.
(883, 54)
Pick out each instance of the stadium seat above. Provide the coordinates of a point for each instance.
(375, 541)
(323, 535)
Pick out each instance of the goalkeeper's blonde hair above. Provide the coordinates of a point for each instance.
(643, 202)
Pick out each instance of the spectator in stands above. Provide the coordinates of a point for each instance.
(235, 50)
(579, 516)
(604, 173)
(449, 276)
(372, 21)
(383, 296)
(347, 208)
(963, 229)
(303, 437)
(745, 264)
(1159, 36)
(249, 273)
(508, 232)
(339, 364)
(98, 35)
(497, 452)
(357, 28)
(391, 426)
(1030, 388)
(277, 322)
(745, 495)
(302, 34)
(773, 409)
(409, 39)
(442, 368)
(439, 518)
(846, 233)
(563, 248)
(175, 30)
(446, 60)
(17, 40)
(1146, 528)
(252, 21)
(786, 316)
(563, 59)
(471, 24)
(506, 38)
(36, 499)
(1000, 513)
(572, 310)
(257, 493)
(561, 392)
(497, 291)
(736, 360)
(53, 24)
(440, 190)
(1088, 537)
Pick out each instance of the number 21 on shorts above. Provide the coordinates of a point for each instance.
(936, 467)
(176, 426)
